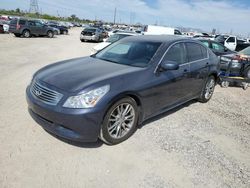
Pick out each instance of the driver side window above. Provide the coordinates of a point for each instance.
(176, 53)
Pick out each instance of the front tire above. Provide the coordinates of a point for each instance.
(120, 121)
(208, 90)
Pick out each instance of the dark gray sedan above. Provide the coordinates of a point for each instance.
(109, 94)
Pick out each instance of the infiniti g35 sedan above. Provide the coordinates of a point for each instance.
(110, 93)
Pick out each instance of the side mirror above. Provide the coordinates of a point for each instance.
(226, 50)
(169, 65)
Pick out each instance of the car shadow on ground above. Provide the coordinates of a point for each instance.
(78, 144)
(167, 113)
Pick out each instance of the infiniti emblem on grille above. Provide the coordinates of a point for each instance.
(38, 93)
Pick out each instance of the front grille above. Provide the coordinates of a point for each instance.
(45, 94)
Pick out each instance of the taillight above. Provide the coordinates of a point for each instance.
(18, 27)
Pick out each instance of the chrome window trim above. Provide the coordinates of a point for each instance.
(190, 62)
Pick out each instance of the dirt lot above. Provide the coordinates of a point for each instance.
(196, 145)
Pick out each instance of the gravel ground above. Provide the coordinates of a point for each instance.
(195, 145)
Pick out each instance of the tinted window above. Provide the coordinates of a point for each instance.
(195, 52)
(176, 53)
(13, 22)
(231, 39)
(22, 22)
(31, 23)
(38, 24)
(89, 30)
(204, 52)
(205, 43)
(218, 47)
(129, 53)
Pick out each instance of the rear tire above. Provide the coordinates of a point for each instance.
(208, 90)
(50, 34)
(120, 122)
(65, 32)
(26, 34)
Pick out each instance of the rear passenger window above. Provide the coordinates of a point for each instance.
(196, 52)
(176, 53)
(13, 22)
(204, 52)
(22, 22)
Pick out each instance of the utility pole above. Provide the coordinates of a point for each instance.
(33, 6)
(114, 15)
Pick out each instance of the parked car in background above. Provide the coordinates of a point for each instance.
(235, 44)
(221, 38)
(91, 34)
(159, 30)
(240, 63)
(203, 35)
(62, 29)
(109, 94)
(110, 40)
(27, 28)
(216, 47)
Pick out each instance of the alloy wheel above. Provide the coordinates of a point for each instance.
(121, 120)
(209, 88)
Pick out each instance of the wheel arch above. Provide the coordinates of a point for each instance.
(132, 95)
(215, 75)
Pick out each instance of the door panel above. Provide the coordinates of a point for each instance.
(171, 87)
(199, 66)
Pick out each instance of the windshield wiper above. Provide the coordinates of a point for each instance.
(108, 60)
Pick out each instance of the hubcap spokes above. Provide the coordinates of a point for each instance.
(209, 89)
(121, 120)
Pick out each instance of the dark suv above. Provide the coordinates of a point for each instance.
(109, 94)
(28, 28)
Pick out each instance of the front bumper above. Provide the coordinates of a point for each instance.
(73, 124)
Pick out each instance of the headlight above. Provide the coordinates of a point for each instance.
(87, 100)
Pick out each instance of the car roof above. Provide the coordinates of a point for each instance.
(124, 33)
(158, 38)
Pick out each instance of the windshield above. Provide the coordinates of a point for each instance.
(116, 37)
(246, 51)
(136, 54)
(89, 30)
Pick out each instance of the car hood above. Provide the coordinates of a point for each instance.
(77, 74)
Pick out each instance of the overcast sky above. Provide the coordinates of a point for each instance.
(223, 15)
